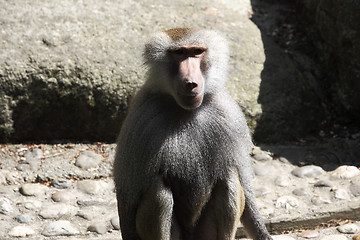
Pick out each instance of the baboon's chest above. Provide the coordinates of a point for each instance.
(190, 198)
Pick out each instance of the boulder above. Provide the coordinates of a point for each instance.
(290, 95)
(68, 69)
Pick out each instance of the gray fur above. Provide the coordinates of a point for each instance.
(182, 155)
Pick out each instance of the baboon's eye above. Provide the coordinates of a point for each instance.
(198, 51)
(179, 51)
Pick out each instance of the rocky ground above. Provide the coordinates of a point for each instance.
(65, 191)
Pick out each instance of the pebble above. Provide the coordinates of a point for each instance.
(21, 231)
(284, 160)
(5, 206)
(33, 189)
(266, 212)
(61, 183)
(88, 160)
(345, 172)
(262, 191)
(115, 222)
(318, 200)
(62, 196)
(89, 186)
(92, 202)
(309, 234)
(262, 156)
(36, 153)
(30, 161)
(23, 218)
(98, 228)
(88, 213)
(334, 237)
(23, 167)
(287, 202)
(282, 181)
(261, 170)
(33, 158)
(33, 205)
(56, 211)
(354, 204)
(60, 228)
(300, 192)
(282, 237)
(355, 189)
(341, 194)
(349, 228)
(309, 171)
(323, 183)
(85, 215)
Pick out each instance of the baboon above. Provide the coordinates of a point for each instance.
(182, 167)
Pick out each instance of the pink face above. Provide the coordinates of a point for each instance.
(188, 66)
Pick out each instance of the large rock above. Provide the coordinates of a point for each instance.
(337, 25)
(290, 95)
(68, 68)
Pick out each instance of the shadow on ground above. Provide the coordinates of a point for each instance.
(328, 154)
